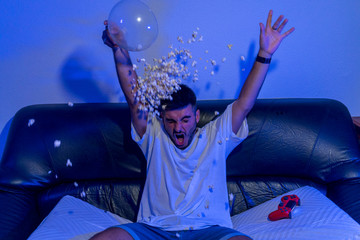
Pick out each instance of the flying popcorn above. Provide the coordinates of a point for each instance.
(57, 143)
(163, 76)
(82, 194)
(231, 196)
(31, 122)
(69, 163)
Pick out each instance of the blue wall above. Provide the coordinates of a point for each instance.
(51, 51)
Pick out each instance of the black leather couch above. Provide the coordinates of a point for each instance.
(292, 143)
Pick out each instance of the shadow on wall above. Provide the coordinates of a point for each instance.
(83, 77)
(246, 65)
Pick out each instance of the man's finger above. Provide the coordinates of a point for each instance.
(269, 19)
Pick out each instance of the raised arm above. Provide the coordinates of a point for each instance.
(127, 78)
(270, 39)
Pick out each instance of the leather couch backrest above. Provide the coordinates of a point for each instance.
(292, 142)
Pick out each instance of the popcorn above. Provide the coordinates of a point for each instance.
(180, 39)
(31, 122)
(207, 204)
(82, 194)
(69, 163)
(163, 76)
(231, 196)
(242, 58)
(216, 113)
(223, 59)
(229, 46)
(57, 143)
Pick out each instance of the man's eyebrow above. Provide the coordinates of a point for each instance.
(187, 116)
(171, 119)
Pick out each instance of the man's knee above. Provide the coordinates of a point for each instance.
(113, 233)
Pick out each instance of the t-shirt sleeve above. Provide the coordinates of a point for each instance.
(147, 140)
(223, 126)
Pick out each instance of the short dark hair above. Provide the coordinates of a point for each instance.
(180, 99)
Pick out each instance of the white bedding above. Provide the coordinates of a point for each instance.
(316, 218)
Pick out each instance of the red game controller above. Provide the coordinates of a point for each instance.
(287, 204)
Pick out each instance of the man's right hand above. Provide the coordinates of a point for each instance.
(121, 55)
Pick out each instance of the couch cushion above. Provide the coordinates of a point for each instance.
(316, 218)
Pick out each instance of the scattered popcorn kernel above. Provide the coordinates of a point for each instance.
(231, 196)
(213, 62)
(207, 203)
(229, 46)
(82, 194)
(220, 142)
(57, 143)
(31, 122)
(212, 73)
(180, 39)
(216, 113)
(242, 58)
(69, 163)
(206, 51)
(223, 59)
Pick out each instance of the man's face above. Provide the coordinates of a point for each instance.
(180, 124)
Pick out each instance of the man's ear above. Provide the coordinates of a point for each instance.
(197, 116)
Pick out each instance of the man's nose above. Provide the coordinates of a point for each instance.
(178, 127)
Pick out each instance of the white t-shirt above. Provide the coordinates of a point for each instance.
(186, 188)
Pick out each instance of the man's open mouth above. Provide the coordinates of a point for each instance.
(179, 138)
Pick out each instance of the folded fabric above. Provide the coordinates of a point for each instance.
(316, 218)
(71, 218)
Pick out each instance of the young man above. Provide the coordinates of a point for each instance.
(185, 194)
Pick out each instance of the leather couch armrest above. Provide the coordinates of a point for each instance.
(19, 216)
